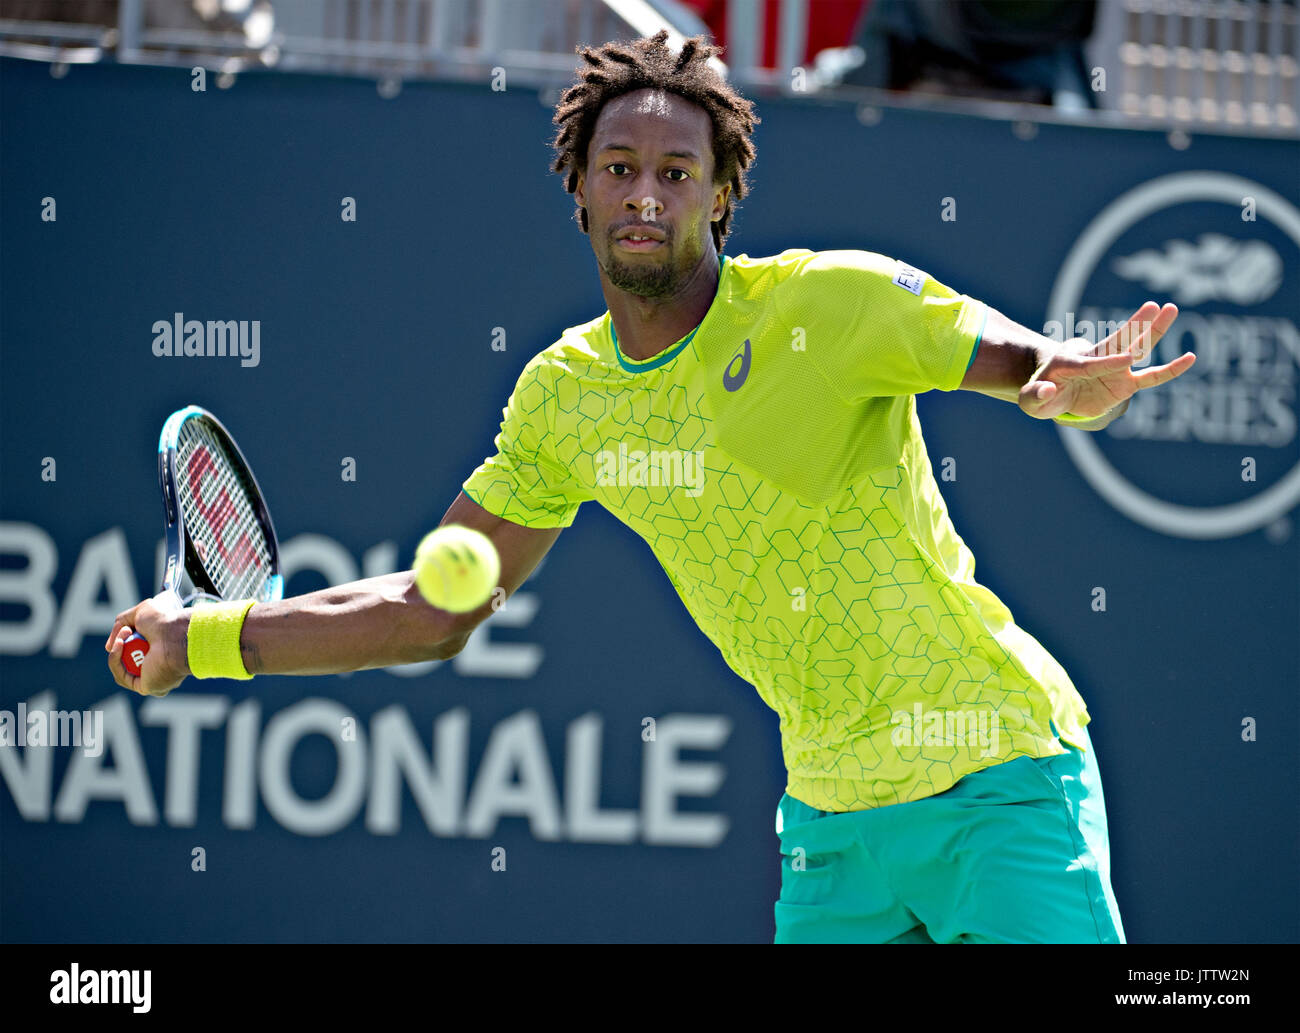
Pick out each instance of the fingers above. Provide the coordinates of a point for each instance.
(1104, 374)
(1125, 336)
(1130, 344)
(1082, 367)
(120, 675)
(123, 619)
(1150, 337)
(1122, 340)
(1142, 332)
(144, 684)
(1038, 399)
(1093, 365)
(1158, 375)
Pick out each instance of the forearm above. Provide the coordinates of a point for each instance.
(1007, 357)
(378, 622)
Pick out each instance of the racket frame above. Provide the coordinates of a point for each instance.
(180, 548)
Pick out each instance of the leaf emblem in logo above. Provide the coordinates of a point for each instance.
(1215, 268)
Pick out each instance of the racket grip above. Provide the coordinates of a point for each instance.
(136, 648)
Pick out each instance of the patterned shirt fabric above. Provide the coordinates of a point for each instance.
(773, 461)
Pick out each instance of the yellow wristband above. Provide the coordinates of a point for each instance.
(213, 640)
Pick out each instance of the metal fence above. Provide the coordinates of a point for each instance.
(404, 39)
(1228, 64)
(1212, 62)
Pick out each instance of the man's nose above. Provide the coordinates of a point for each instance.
(640, 200)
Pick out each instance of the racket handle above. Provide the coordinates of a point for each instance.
(136, 648)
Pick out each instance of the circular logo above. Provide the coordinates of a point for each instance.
(1215, 267)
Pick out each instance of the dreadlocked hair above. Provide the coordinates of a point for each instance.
(618, 68)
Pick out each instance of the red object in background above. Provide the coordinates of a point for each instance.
(830, 24)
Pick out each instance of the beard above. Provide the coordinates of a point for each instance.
(645, 281)
(642, 278)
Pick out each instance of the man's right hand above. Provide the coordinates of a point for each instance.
(167, 664)
(377, 622)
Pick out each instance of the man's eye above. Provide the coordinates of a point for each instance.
(615, 167)
(684, 174)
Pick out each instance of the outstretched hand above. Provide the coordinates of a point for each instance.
(1087, 379)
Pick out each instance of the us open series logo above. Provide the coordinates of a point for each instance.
(1226, 250)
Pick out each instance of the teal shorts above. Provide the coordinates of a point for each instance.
(1014, 853)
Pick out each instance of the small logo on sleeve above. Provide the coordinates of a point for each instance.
(910, 279)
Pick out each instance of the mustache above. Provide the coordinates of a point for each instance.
(660, 227)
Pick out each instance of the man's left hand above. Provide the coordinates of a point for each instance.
(1087, 379)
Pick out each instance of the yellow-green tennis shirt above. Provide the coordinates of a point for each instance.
(773, 461)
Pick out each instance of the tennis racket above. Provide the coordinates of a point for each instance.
(218, 528)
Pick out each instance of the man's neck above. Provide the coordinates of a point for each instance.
(647, 326)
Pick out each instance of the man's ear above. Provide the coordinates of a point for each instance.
(580, 191)
(720, 199)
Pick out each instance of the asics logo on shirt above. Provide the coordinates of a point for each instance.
(732, 381)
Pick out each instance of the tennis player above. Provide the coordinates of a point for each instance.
(754, 420)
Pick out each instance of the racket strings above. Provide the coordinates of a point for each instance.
(220, 515)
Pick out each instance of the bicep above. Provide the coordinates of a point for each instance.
(520, 549)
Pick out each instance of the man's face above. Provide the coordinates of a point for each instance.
(650, 174)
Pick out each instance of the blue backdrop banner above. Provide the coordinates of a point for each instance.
(588, 768)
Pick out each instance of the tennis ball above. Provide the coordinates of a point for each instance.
(456, 568)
